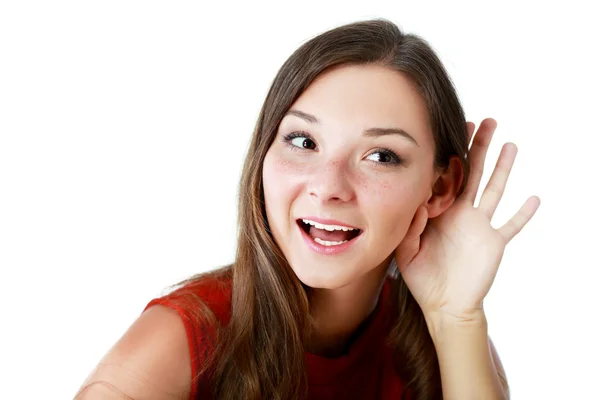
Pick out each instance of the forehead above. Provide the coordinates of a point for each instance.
(365, 96)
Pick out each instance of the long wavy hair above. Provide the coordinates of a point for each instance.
(259, 353)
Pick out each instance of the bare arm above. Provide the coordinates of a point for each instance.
(469, 365)
(151, 361)
(499, 369)
(101, 390)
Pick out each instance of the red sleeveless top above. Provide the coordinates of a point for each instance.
(364, 372)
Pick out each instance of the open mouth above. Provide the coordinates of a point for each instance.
(328, 235)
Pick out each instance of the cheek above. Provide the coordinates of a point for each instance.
(390, 193)
(281, 183)
(280, 173)
(391, 204)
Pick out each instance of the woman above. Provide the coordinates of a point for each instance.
(362, 263)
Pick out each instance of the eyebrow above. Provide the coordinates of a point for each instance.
(371, 132)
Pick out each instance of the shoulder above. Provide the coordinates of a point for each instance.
(163, 349)
(150, 361)
(197, 297)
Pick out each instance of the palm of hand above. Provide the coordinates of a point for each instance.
(450, 262)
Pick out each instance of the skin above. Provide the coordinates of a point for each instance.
(444, 246)
(344, 176)
(449, 263)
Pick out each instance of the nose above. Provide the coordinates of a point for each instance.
(331, 184)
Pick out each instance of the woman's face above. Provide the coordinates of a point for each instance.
(340, 159)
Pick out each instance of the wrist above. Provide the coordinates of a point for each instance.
(441, 324)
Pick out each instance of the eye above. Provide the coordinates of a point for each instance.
(384, 157)
(300, 140)
(303, 142)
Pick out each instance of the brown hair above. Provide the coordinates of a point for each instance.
(260, 353)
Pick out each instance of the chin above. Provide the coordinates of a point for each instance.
(326, 276)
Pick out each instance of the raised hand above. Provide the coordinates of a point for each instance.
(449, 262)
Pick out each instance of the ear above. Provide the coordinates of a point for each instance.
(445, 188)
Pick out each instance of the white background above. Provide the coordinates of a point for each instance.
(123, 127)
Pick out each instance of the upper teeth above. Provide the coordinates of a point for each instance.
(328, 227)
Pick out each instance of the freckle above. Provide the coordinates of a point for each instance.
(282, 162)
(381, 189)
(289, 167)
(362, 181)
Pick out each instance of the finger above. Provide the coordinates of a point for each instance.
(477, 154)
(417, 224)
(490, 198)
(410, 244)
(520, 219)
(420, 221)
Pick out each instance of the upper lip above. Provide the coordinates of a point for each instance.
(326, 221)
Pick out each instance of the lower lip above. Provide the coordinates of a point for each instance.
(327, 250)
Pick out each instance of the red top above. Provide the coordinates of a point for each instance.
(365, 371)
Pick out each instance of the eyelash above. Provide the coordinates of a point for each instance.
(287, 139)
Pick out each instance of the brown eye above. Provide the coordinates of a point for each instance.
(303, 142)
(385, 157)
(300, 140)
(381, 157)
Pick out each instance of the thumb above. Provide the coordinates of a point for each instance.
(409, 247)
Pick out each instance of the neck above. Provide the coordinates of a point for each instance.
(339, 313)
